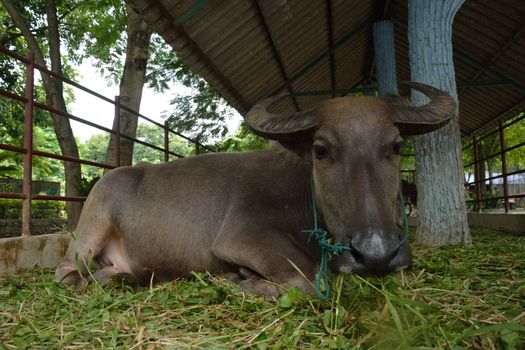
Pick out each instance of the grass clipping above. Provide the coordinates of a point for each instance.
(454, 298)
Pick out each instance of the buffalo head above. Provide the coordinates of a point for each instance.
(354, 145)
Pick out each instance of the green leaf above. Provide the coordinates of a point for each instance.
(290, 298)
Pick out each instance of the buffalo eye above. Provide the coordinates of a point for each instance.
(320, 152)
(398, 146)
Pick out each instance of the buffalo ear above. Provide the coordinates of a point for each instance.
(303, 147)
(412, 120)
(294, 132)
(285, 128)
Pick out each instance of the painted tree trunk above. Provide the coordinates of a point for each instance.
(385, 57)
(131, 85)
(442, 214)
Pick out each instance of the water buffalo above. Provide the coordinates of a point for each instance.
(242, 214)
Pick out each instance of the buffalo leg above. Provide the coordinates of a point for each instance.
(266, 267)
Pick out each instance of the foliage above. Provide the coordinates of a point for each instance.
(88, 28)
(243, 140)
(87, 183)
(44, 139)
(487, 146)
(12, 209)
(513, 136)
(43, 168)
(95, 147)
(455, 298)
(201, 111)
(154, 135)
(96, 29)
(407, 159)
(12, 116)
(201, 114)
(10, 164)
(490, 145)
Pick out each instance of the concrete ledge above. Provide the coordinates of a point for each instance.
(510, 222)
(19, 254)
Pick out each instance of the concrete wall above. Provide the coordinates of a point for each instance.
(19, 254)
(496, 221)
(510, 222)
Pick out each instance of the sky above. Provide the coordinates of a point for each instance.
(153, 104)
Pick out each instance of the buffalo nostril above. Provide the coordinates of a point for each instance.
(394, 253)
(358, 257)
(374, 257)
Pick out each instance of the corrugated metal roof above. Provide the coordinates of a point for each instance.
(249, 49)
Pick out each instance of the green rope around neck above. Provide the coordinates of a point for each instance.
(321, 236)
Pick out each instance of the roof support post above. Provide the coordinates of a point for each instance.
(442, 213)
(385, 57)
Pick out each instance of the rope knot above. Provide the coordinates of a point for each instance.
(321, 236)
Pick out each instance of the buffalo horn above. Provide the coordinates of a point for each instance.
(279, 127)
(413, 120)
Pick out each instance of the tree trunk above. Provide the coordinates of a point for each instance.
(131, 84)
(55, 99)
(442, 214)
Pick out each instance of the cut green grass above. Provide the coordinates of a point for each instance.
(454, 298)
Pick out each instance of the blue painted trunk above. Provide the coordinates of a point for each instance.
(442, 215)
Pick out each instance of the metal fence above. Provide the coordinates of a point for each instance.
(29, 152)
(499, 189)
(496, 190)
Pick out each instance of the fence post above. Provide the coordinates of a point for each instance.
(117, 131)
(477, 177)
(166, 142)
(28, 145)
(503, 150)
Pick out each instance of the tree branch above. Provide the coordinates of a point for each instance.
(72, 9)
(54, 36)
(21, 23)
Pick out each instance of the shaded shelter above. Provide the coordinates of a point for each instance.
(318, 49)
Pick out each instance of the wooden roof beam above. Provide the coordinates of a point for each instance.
(475, 63)
(275, 53)
(500, 117)
(316, 61)
(518, 34)
(330, 25)
(177, 30)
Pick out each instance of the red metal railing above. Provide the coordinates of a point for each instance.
(481, 181)
(29, 152)
(475, 187)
